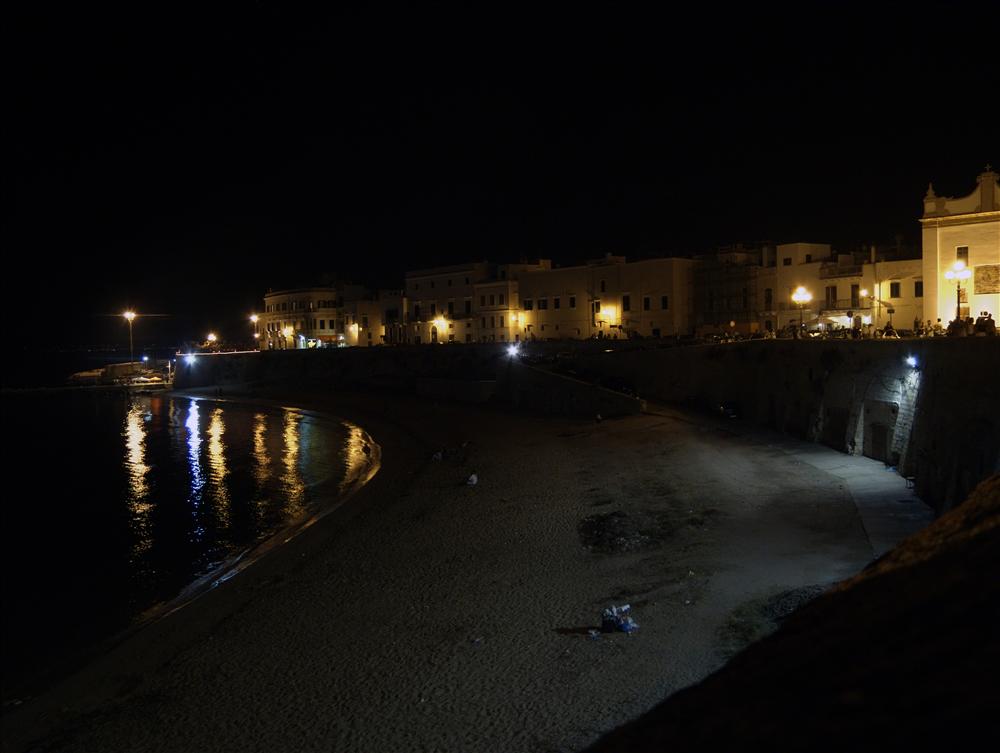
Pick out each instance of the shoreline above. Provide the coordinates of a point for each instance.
(231, 566)
(429, 613)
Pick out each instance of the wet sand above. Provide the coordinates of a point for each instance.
(426, 614)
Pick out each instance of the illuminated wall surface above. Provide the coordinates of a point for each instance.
(133, 499)
(964, 230)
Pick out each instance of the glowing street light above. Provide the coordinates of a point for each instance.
(801, 296)
(130, 317)
(211, 337)
(254, 319)
(958, 272)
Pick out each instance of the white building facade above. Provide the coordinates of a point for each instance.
(962, 235)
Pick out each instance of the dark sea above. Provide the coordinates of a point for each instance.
(116, 504)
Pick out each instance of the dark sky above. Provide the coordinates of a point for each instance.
(183, 162)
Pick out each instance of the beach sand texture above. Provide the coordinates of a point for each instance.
(427, 614)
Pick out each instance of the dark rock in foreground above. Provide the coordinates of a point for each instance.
(902, 656)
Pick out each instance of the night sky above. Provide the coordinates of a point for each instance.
(182, 163)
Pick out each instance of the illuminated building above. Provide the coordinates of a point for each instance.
(607, 297)
(965, 231)
(441, 299)
(325, 317)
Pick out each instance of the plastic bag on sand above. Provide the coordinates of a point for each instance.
(472, 480)
(618, 618)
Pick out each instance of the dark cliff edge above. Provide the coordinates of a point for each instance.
(902, 656)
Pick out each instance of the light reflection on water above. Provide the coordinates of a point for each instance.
(217, 467)
(151, 494)
(261, 459)
(234, 475)
(136, 470)
(357, 455)
(194, 460)
(292, 479)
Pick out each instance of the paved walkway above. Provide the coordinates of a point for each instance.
(889, 510)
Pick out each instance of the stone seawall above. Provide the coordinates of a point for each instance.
(461, 373)
(938, 422)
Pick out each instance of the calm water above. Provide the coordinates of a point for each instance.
(116, 504)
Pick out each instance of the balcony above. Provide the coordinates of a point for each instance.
(828, 270)
(840, 304)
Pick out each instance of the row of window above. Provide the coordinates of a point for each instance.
(543, 303)
(416, 285)
(334, 324)
(300, 305)
(647, 303)
(434, 309)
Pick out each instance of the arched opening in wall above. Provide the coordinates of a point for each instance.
(880, 427)
(434, 334)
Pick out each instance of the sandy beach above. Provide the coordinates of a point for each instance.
(427, 614)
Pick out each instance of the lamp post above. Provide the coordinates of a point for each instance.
(801, 296)
(130, 317)
(958, 272)
(256, 336)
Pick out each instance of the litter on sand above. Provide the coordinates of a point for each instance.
(472, 480)
(618, 618)
(437, 455)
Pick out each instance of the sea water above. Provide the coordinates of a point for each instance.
(116, 504)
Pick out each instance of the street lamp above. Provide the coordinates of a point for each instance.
(129, 317)
(958, 272)
(801, 296)
(211, 338)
